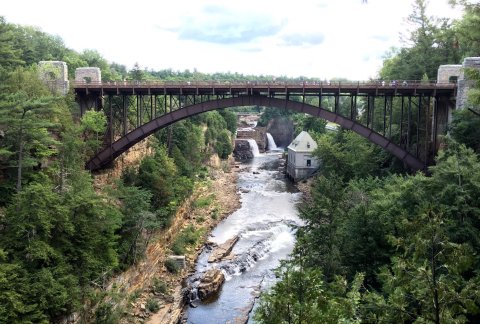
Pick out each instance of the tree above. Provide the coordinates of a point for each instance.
(302, 296)
(38, 216)
(28, 112)
(465, 128)
(9, 54)
(94, 58)
(430, 43)
(93, 125)
(425, 282)
(135, 205)
(347, 155)
(157, 174)
(466, 29)
(322, 215)
(223, 144)
(136, 73)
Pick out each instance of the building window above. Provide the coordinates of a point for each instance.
(309, 162)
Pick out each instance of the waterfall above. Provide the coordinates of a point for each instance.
(271, 142)
(253, 147)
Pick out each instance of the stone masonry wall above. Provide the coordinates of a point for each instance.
(55, 75)
(93, 74)
(464, 84)
(446, 71)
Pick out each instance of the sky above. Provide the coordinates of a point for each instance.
(314, 38)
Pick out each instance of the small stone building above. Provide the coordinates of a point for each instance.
(301, 164)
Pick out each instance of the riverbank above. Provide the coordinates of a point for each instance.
(225, 199)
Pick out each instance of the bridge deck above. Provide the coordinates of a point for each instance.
(270, 89)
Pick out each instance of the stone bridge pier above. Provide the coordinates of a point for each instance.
(445, 106)
(89, 75)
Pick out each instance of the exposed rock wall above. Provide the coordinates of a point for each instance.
(282, 131)
(131, 158)
(259, 134)
(242, 150)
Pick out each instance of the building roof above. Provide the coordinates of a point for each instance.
(303, 143)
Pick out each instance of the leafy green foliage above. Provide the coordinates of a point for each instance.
(153, 305)
(428, 45)
(203, 202)
(9, 53)
(28, 112)
(272, 113)
(187, 237)
(302, 296)
(159, 286)
(172, 266)
(223, 145)
(348, 155)
(93, 124)
(413, 240)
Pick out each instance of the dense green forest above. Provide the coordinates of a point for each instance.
(381, 245)
(61, 236)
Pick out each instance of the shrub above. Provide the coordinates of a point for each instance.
(187, 237)
(134, 295)
(203, 202)
(172, 266)
(106, 313)
(158, 286)
(214, 213)
(153, 305)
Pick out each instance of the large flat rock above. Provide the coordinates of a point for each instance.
(222, 250)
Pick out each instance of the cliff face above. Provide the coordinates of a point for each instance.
(242, 150)
(131, 158)
(258, 134)
(282, 131)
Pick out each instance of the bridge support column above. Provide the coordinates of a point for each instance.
(55, 75)
(89, 100)
(464, 84)
(456, 73)
(444, 106)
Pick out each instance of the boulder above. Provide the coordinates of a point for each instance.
(210, 283)
(222, 250)
(242, 150)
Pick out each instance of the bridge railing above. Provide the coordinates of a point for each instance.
(244, 84)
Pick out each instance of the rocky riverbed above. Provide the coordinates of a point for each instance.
(226, 201)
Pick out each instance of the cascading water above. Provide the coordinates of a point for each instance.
(266, 225)
(254, 147)
(271, 142)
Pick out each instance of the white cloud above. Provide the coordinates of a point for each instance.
(315, 38)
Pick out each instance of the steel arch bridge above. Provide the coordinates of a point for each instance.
(135, 110)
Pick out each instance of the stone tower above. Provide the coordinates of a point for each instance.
(449, 73)
(55, 75)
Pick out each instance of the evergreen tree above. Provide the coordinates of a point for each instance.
(29, 115)
(9, 54)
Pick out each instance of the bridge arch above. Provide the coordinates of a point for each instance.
(110, 153)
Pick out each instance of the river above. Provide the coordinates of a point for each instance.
(265, 224)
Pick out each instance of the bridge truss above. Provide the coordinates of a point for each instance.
(405, 119)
